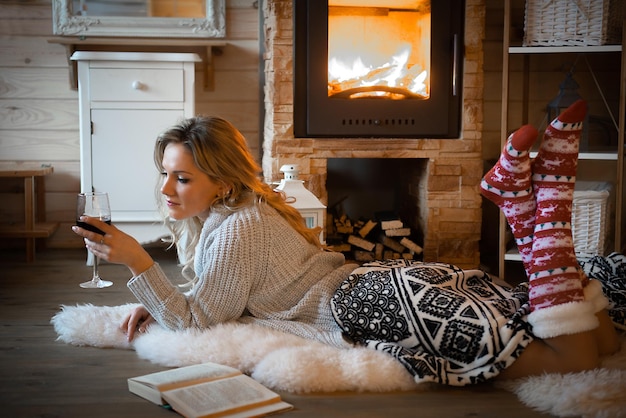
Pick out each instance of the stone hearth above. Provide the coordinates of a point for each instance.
(449, 198)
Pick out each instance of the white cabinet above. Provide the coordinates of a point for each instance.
(126, 100)
(610, 159)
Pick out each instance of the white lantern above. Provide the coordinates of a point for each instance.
(309, 206)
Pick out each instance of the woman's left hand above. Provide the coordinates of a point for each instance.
(137, 320)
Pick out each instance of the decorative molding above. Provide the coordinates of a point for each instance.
(67, 23)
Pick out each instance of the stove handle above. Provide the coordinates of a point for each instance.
(455, 60)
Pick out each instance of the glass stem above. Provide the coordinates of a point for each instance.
(96, 275)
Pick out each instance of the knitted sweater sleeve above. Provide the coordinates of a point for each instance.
(228, 255)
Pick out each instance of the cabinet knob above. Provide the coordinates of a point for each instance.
(138, 85)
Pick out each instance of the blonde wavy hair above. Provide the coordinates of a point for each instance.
(221, 152)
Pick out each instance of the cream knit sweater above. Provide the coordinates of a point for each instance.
(253, 268)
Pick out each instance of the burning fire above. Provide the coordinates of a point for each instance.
(378, 53)
(394, 79)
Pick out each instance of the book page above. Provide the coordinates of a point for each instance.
(189, 375)
(222, 397)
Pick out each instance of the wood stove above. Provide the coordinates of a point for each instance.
(374, 68)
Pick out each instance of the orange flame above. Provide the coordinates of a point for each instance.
(380, 54)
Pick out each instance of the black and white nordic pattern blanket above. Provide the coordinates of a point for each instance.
(449, 325)
(444, 324)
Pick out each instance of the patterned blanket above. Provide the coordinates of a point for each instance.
(449, 325)
(444, 324)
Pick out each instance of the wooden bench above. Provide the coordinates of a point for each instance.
(34, 225)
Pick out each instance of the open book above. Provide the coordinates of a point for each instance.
(207, 390)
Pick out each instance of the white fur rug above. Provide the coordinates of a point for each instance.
(289, 363)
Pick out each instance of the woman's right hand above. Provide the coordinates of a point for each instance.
(115, 246)
(138, 320)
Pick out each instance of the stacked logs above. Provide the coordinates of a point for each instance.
(371, 239)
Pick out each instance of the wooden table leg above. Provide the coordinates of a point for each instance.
(29, 215)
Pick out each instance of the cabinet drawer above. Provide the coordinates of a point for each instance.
(136, 85)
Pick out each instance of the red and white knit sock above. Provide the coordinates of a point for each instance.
(508, 185)
(556, 294)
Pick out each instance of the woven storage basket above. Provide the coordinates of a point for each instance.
(590, 218)
(573, 22)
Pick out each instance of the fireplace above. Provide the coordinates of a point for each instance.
(376, 189)
(439, 177)
(378, 68)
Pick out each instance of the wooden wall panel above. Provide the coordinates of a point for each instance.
(36, 83)
(231, 86)
(26, 18)
(241, 55)
(31, 52)
(27, 9)
(35, 114)
(243, 115)
(242, 22)
(44, 146)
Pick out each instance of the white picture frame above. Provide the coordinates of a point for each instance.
(66, 22)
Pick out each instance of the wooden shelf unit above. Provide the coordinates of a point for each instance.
(616, 155)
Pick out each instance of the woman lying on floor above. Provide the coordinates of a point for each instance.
(251, 259)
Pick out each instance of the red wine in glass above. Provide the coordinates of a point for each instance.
(95, 205)
(92, 228)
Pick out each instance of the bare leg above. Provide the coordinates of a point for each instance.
(606, 335)
(566, 353)
(562, 354)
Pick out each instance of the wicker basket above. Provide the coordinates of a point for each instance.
(573, 22)
(590, 218)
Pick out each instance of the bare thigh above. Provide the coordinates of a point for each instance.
(566, 353)
(562, 354)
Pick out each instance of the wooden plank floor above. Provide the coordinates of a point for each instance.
(45, 378)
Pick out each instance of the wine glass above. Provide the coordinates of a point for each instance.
(96, 205)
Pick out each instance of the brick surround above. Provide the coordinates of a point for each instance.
(447, 186)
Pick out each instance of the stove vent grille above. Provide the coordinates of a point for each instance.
(378, 122)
